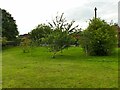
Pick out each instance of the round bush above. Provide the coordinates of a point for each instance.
(100, 38)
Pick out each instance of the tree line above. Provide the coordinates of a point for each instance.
(99, 38)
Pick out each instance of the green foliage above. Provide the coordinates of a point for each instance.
(9, 27)
(58, 41)
(99, 38)
(25, 44)
(4, 40)
(118, 29)
(76, 36)
(61, 23)
(60, 38)
(40, 32)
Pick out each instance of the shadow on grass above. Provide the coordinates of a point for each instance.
(83, 57)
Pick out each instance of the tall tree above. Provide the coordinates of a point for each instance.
(9, 27)
(0, 23)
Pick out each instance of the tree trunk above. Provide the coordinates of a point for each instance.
(54, 55)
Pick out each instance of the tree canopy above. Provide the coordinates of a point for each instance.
(9, 27)
(39, 33)
(100, 38)
(60, 38)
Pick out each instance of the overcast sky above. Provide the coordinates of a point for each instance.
(29, 13)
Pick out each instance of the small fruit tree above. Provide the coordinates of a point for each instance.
(60, 38)
(25, 44)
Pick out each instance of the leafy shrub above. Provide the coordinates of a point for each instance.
(3, 41)
(39, 33)
(25, 44)
(99, 38)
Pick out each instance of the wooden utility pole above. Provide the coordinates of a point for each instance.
(95, 12)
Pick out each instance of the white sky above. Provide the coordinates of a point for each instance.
(29, 13)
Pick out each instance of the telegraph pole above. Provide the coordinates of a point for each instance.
(95, 12)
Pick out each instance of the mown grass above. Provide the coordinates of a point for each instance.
(0, 69)
(72, 69)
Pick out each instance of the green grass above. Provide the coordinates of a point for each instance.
(72, 69)
(0, 69)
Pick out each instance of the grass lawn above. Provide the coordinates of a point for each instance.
(72, 69)
(0, 70)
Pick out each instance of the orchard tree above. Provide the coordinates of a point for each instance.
(40, 32)
(60, 38)
(100, 38)
(61, 23)
(9, 27)
(25, 44)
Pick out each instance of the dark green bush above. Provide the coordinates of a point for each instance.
(39, 33)
(100, 38)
